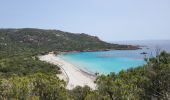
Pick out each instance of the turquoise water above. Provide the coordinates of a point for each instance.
(116, 60)
(106, 61)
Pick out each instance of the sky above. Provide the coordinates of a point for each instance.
(110, 20)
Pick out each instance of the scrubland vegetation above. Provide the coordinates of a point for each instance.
(24, 77)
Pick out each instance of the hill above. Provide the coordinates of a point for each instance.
(29, 40)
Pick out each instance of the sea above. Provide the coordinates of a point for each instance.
(105, 62)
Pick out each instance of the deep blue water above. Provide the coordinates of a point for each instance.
(116, 60)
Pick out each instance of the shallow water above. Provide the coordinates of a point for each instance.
(106, 61)
(109, 61)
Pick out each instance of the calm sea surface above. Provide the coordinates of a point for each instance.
(116, 60)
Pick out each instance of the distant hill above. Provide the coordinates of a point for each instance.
(30, 40)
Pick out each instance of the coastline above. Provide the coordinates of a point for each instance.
(76, 51)
(130, 47)
(70, 73)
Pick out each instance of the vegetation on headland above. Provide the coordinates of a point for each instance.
(29, 41)
(24, 77)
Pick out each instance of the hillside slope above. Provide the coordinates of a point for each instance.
(29, 40)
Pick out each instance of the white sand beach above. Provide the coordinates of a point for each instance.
(70, 73)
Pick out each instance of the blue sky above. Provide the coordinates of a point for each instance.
(111, 20)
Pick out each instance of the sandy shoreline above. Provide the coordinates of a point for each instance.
(70, 73)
